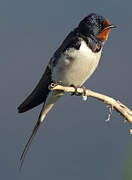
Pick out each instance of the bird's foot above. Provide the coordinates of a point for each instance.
(78, 94)
(74, 93)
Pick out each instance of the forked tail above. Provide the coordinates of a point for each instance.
(27, 146)
(51, 100)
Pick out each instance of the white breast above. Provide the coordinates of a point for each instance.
(76, 66)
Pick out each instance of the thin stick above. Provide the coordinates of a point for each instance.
(115, 104)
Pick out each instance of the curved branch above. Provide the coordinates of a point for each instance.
(115, 104)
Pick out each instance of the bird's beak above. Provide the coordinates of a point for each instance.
(110, 26)
(105, 32)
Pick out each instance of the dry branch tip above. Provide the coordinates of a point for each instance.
(113, 104)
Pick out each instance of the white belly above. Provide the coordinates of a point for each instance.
(76, 66)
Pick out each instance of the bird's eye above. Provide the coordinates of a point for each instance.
(100, 25)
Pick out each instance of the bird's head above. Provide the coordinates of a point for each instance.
(96, 26)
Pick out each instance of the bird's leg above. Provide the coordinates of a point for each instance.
(79, 94)
(74, 93)
(52, 85)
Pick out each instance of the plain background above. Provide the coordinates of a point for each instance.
(75, 142)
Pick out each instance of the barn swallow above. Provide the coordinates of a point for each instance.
(72, 64)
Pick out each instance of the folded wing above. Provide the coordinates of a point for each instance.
(39, 94)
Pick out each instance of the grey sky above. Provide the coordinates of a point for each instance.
(75, 142)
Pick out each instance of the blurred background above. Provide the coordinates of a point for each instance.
(75, 142)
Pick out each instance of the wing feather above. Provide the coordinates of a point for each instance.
(39, 94)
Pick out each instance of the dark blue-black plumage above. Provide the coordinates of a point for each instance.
(88, 30)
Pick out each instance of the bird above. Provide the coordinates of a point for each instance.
(72, 64)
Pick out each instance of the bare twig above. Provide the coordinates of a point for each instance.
(115, 104)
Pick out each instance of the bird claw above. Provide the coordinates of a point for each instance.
(79, 94)
(74, 93)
